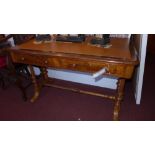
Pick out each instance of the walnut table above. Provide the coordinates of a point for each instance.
(118, 61)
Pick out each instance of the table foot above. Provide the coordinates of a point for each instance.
(36, 95)
(116, 112)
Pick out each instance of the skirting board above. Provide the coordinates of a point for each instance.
(81, 78)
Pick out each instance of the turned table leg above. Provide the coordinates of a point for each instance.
(44, 73)
(119, 97)
(36, 87)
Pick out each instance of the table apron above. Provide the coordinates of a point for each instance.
(120, 70)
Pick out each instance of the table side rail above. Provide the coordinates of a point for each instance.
(76, 64)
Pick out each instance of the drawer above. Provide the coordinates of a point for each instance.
(91, 66)
(75, 64)
(37, 60)
(121, 70)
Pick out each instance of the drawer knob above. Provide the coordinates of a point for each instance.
(22, 58)
(74, 65)
(46, 61)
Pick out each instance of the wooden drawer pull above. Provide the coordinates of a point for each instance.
(22, 58)
(46, 61)
(74, 65)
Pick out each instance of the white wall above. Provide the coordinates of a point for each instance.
(141, 68)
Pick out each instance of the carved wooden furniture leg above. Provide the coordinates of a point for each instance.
(36, 87)
(119, 97)
(44, 73)
(44, 76)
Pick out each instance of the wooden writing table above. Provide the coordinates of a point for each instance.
(119, 61)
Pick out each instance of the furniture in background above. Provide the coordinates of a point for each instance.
(3, 59)
(19, 39)
(9, 72)
(118, 61)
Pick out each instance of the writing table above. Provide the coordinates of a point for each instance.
(118, 61)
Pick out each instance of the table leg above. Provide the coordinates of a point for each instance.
(36, 86)
(119, 97)
(44, 73)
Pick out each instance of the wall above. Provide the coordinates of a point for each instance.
(140, 47)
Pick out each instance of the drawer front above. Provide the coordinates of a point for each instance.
(76, 64)
(82, 65)
(121, 70)
(58, 62)
(89, 66)
(29, 59)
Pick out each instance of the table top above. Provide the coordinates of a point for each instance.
(119, 49)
